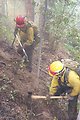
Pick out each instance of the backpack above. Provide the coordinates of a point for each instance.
(36, 33)
(77, 70)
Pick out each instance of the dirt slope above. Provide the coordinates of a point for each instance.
(15, 82)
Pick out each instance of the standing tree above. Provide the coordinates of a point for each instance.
(29, 4)
(61, 17)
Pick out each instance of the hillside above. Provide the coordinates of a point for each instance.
(16, 82)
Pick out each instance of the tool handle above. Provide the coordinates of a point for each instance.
(22, 48)
(44, 97)
(13, 41)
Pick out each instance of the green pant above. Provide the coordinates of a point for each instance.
(72, 108)
(29, 52)
(72, 105)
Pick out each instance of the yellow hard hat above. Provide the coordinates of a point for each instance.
(56, 68)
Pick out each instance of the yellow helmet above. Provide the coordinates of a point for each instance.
(56, 68)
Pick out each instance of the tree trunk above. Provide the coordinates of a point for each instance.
(29, 9)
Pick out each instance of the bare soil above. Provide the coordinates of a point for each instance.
(16, 82)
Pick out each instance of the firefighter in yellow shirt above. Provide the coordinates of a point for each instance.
(65, 81)
(26, 34)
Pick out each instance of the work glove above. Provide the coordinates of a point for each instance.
(70, 97)
(25, 45)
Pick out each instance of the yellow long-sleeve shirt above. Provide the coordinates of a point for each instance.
(73, 82)
(27, 37)
(26, 34)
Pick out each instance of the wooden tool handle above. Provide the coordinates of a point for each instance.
(44, 97)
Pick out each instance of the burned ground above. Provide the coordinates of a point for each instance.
(16, 82)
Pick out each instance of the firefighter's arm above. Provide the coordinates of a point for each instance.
(54, 85)
(15, 31)
(75, 83)
(30, 35)
(76, 89)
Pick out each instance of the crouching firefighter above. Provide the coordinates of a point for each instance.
(26, 33)
(65, 81)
